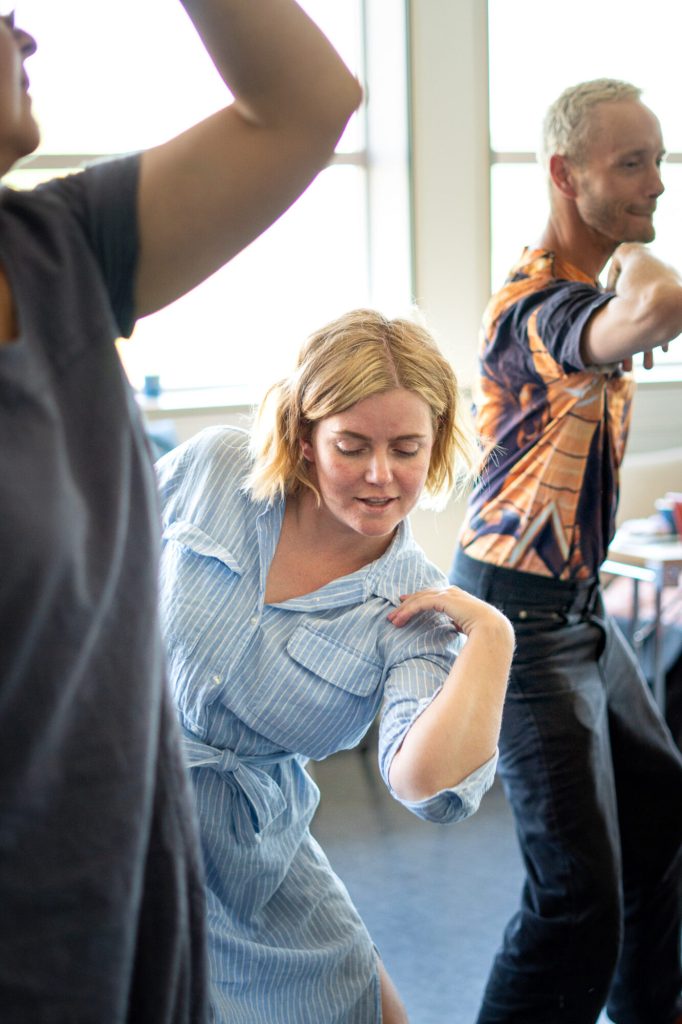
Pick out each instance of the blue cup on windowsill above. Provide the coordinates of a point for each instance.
(152, 386)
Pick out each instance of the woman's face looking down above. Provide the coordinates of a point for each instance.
(370, 462)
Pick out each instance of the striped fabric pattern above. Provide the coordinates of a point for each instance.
(260, 689)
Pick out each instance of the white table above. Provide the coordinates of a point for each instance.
(656, 561)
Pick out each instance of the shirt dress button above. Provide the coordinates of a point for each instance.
(217, 680)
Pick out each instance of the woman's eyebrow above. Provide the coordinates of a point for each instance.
(363, 437)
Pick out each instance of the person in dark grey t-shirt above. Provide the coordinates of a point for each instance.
(101, 897)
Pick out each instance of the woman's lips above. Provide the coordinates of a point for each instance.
(377, 502)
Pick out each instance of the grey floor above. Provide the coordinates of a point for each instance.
(435, 898)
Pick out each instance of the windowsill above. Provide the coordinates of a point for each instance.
(194, 401)
(665, 375)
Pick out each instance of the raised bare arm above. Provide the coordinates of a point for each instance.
(209, 192)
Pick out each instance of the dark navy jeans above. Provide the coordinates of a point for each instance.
(595, 784)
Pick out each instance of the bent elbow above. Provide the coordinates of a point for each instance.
(335, 114)
(353, 96)
(314, 130)
(420, 783)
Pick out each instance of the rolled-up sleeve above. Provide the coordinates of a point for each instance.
(455, 804)
(411, 685)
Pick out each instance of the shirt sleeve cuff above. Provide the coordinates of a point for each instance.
(459, 802)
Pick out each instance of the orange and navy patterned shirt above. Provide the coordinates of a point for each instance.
(555, 430)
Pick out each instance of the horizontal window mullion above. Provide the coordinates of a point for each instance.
(521, 157)
(65, 161)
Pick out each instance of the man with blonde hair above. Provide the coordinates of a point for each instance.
(590, 769)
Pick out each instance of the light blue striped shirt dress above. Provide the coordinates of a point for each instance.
(259, 690)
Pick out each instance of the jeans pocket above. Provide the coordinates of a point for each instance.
(528, 618)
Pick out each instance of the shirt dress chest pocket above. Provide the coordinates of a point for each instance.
(198, 576)
(332, 692)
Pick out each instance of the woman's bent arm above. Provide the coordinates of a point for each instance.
(459, 730)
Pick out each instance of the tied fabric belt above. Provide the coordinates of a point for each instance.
(259, 798)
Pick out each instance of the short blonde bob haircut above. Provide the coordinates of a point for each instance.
(567, 123)
(358, 355)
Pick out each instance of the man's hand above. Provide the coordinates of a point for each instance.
(648, 358)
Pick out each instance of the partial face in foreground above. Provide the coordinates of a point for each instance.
(619, 180)
(370, 462)
(19, 133)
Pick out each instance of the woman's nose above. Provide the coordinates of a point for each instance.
(379, 469)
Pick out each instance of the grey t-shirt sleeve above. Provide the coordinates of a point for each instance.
(103, 201)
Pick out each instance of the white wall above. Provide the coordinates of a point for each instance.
(449, 89)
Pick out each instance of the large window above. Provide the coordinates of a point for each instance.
(535, 51)
(120, 77)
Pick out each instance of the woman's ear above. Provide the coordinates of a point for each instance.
(307, 449)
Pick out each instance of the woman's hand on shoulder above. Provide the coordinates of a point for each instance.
(468, 613)
(458, 732)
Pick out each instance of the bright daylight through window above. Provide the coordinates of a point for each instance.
(528, 70)
(310, 266)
